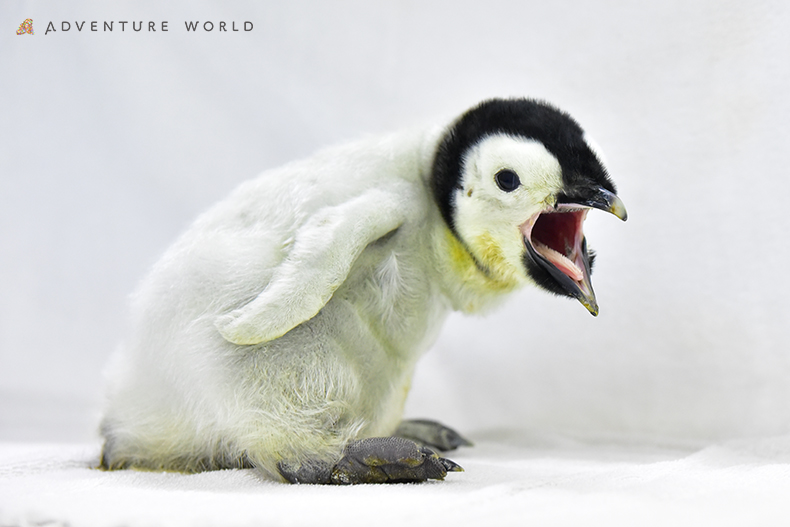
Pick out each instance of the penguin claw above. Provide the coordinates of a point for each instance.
(451, 466)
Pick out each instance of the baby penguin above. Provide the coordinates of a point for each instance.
(282, 329)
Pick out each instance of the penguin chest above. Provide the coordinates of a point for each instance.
(382, 319)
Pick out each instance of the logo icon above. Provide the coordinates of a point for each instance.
(25, 27)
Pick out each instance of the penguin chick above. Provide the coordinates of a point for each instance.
(282, 329)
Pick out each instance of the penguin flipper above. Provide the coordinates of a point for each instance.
(374, 460)
(324, 250)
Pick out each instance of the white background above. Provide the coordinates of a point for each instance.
(111, 143)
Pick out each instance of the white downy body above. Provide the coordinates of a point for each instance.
(288, 319)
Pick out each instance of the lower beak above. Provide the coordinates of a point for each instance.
(581, 290)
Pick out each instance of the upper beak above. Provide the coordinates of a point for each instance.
(600, 199)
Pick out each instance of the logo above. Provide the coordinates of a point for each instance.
(108, 26)
(25, 27)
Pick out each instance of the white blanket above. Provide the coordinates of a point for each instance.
(511, 478)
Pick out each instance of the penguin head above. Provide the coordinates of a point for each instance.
(514, 180)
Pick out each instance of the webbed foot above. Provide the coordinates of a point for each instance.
(374, 460)
(389, 460)
(432, 434)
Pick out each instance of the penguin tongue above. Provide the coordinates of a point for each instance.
(560, 262)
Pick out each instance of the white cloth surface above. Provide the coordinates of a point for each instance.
(511, 478)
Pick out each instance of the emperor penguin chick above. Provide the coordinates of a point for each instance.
(282, 329)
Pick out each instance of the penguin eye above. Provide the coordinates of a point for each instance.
(507, 180)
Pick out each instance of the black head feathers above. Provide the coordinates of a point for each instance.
(557, 131)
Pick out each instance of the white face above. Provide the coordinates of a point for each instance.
(488, 218)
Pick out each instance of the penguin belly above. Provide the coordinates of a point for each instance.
(192, 401)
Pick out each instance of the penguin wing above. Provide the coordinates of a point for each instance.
(324, 250)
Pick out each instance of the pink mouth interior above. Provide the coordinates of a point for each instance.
(557, 236)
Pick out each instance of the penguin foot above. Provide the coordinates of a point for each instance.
(431, 434)
(374, 460)
(389, 460)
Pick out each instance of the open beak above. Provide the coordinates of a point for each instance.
(555, 241)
